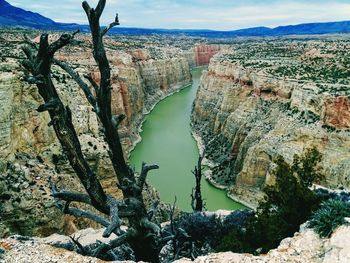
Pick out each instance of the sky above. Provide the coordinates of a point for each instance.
(196, 14)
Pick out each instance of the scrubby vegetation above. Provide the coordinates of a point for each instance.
(287, 204)
(331, 214)
(322, 62)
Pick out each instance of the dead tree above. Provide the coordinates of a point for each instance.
(196, 196)
(142, 235)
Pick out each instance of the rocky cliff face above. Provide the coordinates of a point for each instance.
(203, 53)
(29, 149)
(247, 116)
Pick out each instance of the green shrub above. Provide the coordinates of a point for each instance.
(331, 214)
(288, 203)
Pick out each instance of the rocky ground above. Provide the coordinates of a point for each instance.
(270, 98)
(304, 246)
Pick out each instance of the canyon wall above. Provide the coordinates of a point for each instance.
(203, 53)
(246, 120)
(29, 149)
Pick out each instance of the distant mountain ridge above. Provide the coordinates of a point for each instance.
(11, 16)
(16, 17)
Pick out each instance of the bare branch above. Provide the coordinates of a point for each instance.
(86, 214)
(115, 220)
(103, 95)
(111, 25)
(152, 210)
(81, 248)
(93, 83)
(68, 196)
(64, 40)
(29, 52)
(43, 46)
(99, 8)
(122, 239)
(144, 171)
(78, 80)
(30, 42)
(150, 225)
(87, 8)
(117, 119)
(196, 195)
(36, 79)
(52, 105)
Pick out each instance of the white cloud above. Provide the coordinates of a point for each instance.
(223, 15)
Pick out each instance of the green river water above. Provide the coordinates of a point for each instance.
(167, 141)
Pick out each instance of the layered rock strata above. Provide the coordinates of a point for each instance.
(203, 53)
(247, 116)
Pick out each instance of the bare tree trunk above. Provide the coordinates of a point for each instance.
(142, 235)
(197, 201)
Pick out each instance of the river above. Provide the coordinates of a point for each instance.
(167, 141)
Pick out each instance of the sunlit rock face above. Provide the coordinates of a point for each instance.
(203, 53)
(337, 112)
(29, 149)
(247, 119)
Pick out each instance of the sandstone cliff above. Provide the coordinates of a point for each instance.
(29, 149)
(247, 115)
(203, 53)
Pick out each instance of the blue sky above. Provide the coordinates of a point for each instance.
(197, 14)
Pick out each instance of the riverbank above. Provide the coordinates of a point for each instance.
(207, 174)
(177, 88)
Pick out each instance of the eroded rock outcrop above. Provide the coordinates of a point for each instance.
(247, 117)
(203, 53)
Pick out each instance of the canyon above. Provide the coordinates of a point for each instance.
(258, 100)
(142, 76)
(264, 100)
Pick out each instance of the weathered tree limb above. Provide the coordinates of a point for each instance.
(104, 247)
(151, 211)
(86, 214)
(28, 41)
(39, 66)
(91, 99)
(150, 225)
(196, 196)
(64, 40)
(81, 248)
(111, 25)
(144, 172)
(92, 82)
(115, 220)
(103, 95)
(117, 119)
(68, 196)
